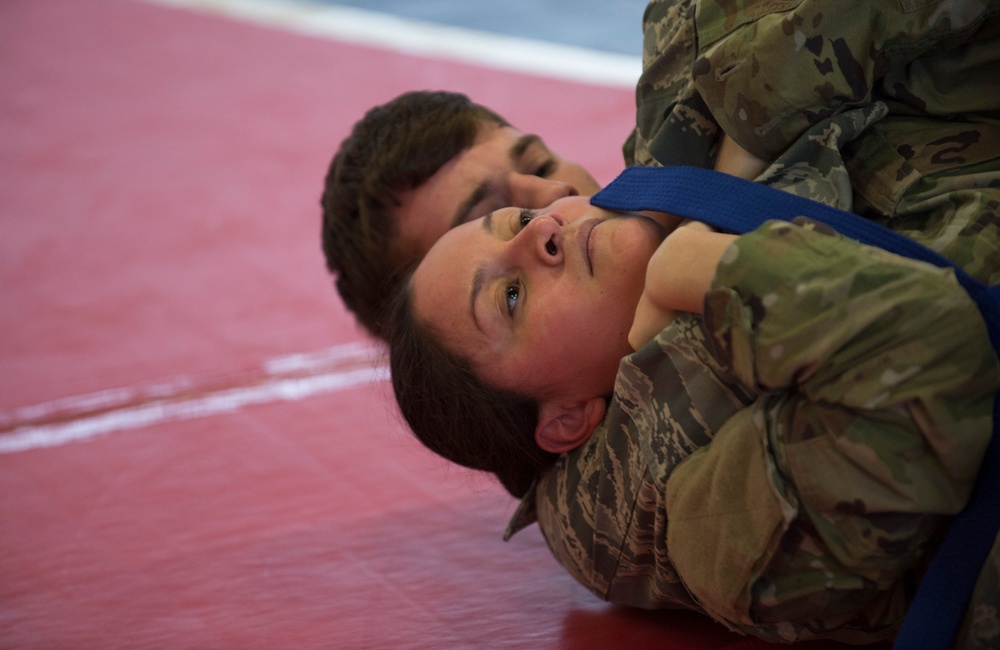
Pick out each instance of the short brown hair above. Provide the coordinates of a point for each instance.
(395, 147)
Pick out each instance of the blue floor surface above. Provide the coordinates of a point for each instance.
(607, 25)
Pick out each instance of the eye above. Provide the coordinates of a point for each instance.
(546, 168)
(512, 294)
(524, 217)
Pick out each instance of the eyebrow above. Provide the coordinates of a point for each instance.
(479, 277)
(522, 145)
(462, 214)
(478, 280)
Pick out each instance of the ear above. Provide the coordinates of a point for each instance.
(562, 428)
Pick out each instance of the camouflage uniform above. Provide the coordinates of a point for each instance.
(787, 462)
(834, 462)
(887, 109)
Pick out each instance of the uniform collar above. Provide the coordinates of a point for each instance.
(526, 513)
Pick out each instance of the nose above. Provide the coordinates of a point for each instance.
(540, 241)
(531, 191)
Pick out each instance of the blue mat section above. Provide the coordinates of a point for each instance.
(606, 25)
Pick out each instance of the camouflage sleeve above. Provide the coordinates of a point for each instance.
(770, 69)
(814, 506)
(673, 125)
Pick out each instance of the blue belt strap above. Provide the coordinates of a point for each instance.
(737, 205)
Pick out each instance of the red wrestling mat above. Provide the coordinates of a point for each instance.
(194, 449)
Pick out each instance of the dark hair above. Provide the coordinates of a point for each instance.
(395, 147)
(456, 414)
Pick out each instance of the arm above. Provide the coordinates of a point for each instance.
(734, 160)
(874, 379)
(680, 272)
(767, 71)
(677, 278)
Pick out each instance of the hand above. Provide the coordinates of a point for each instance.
(734, 160)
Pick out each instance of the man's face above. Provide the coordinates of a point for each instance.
(504, 167)
(539, 301)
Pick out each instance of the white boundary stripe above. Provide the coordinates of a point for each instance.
(64, 408)
(53, 435)
(117, 415)
(321, 360)
(429, 39)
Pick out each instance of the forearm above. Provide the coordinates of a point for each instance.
(765, 86)
(680, 273)
(875, 383)
(677, 278)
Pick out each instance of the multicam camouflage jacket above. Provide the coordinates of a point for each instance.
(889, 109)
(844, 427)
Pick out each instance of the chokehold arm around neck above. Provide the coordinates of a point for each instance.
(680, 272)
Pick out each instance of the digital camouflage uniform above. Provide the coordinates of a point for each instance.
(848, 403)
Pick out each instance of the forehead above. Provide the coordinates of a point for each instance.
(441, 284)
(448, 264)
(495, 147)
(426, 212)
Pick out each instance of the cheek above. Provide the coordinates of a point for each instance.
(616, 305)
(601, 330)
(626, 284)
(590, 358)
